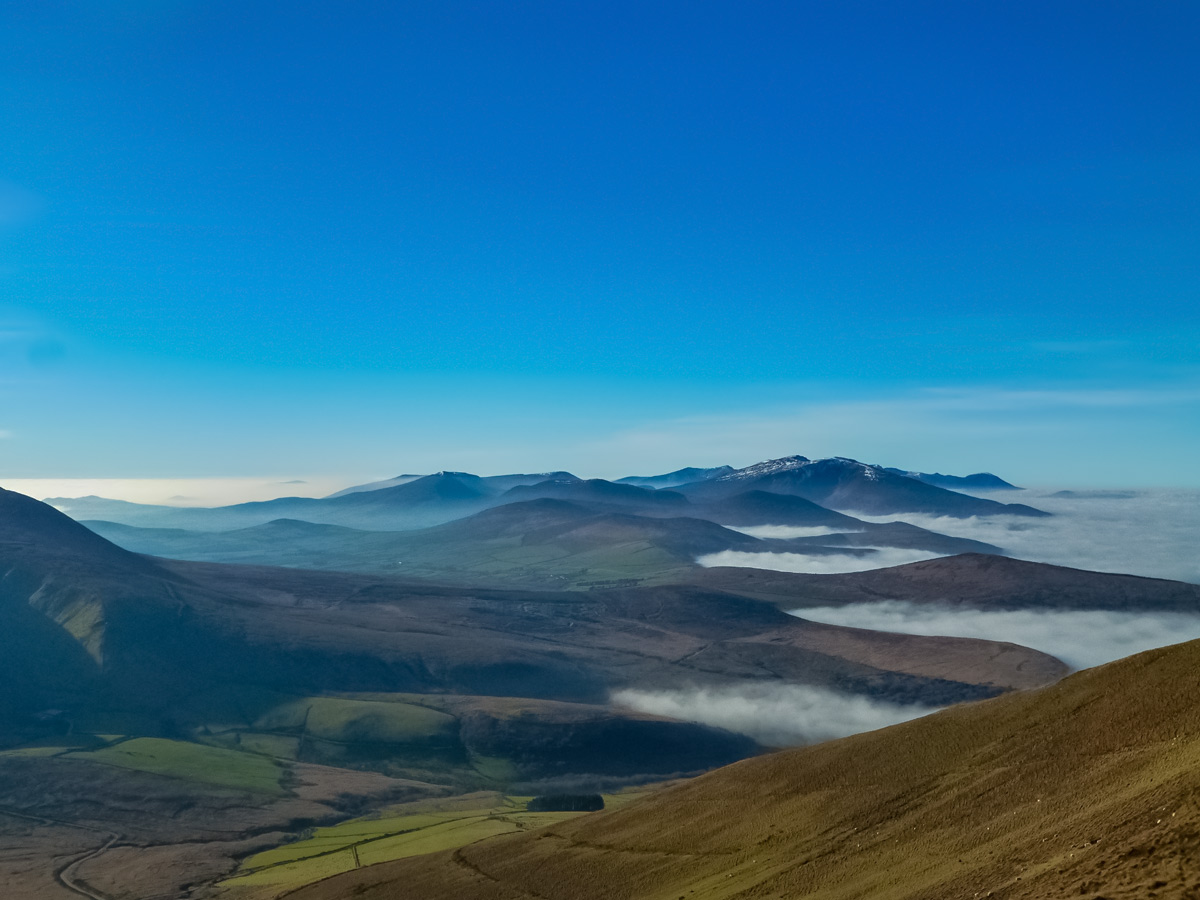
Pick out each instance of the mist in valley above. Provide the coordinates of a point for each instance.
(1149, 532)
(863, 560)
(777, 715)
(1080, 638)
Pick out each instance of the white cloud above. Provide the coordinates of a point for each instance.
(826, 564)
(1142, 531)
(777, 715)
(1079, 638)
(787, 532)
(1150, 532)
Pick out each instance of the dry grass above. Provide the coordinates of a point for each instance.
(1087, 788)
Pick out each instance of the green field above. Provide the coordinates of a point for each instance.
(358, 721)
(431, 827)
(192, 762)
(387, 733)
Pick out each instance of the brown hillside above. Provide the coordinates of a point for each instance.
(973, 580)
(1088, 788)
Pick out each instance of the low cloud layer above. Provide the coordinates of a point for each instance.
(828, 564)
(1078, 638)
(1140, 532)
(1149, 532)
(778, 715)
(787, 532)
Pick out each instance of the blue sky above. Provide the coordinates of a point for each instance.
(354, 239)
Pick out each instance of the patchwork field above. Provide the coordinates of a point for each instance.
(400, 832)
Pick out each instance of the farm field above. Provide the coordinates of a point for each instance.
(192, 762)
(407, 830)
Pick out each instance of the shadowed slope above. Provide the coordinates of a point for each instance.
(1086, 788)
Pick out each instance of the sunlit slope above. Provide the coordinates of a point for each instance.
(1088, 788)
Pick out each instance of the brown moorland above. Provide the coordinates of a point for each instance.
(1087, 788)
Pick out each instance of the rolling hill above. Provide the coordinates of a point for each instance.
(544, 542)
(974, 581)
(1086, 788)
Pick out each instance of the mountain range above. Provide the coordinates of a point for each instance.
(190, 692)
(402, 503)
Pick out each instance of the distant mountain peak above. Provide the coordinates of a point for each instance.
(767, 467)
(795, 463)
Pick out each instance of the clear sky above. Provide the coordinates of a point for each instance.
(349, 240)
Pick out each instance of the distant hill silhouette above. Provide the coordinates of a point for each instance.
(980, 481)
(676, 478)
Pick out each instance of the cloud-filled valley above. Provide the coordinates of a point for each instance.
(1080, 638)
(1150, 532)
(817, 564)
(777, 715)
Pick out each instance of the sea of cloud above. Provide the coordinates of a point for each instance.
(817, 564)
(1080, 638)
(1152, 532)
(778, 715)
(787, 532)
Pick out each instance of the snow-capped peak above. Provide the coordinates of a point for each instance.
(791, 463)
(768, 467)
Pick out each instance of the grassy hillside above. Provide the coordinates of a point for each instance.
(1087, 788)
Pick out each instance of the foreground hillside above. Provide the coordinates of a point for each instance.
(1087, 788)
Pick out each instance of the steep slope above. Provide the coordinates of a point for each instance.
(846, 484)
(971, 580)
(1087, 788)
